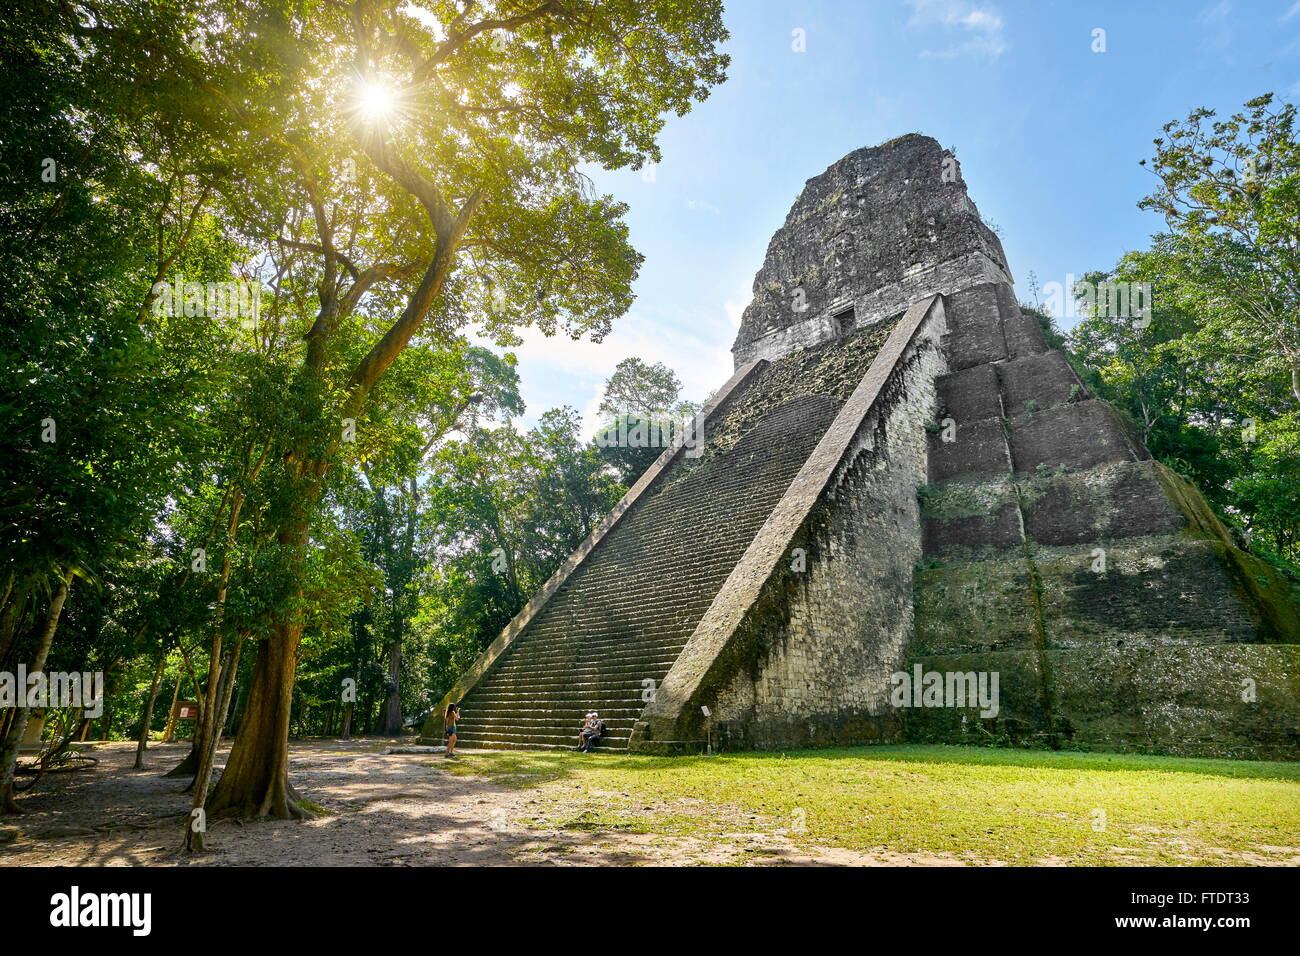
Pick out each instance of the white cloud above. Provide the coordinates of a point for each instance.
(703, 206)
(1295, 9)
(980, 24)
(556, 370)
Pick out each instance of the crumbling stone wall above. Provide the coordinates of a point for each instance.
(1097, 584)
(880, 229)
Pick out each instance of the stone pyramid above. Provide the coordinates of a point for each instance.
(901, 486)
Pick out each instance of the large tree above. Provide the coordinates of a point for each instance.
(1229, 191)
(638, 387)
(425, 166)
(642, 409)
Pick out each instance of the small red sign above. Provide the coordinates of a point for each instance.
(187, 710)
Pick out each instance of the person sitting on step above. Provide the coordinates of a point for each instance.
(593, 728)
(582, 731)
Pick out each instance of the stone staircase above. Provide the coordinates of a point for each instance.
(611, 632)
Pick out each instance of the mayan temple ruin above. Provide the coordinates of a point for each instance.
(899, 477)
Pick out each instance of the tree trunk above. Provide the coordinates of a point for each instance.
(170, 731)
(143, 743)
(106, 722)
(241, 696)
(14, 607)
(219, 696)
(189, 765)
(9, 748)
(393, 706)
(228, 682)
(256, 780)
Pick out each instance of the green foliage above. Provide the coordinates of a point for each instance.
(639, 388)
(1229, 191)
(1208, 381)
(346, 464)
(643, 411)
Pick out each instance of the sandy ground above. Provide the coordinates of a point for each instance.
(395, 810)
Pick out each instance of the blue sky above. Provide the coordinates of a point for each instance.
(1048, 132)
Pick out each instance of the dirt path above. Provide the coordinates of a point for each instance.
(398, 810)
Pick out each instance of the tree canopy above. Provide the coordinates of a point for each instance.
(260, 253)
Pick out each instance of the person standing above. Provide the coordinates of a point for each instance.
(449, 718)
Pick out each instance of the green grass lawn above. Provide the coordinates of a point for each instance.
(976, 805)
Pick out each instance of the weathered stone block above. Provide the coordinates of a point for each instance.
(1037, 382)
(971, 535)
(1022, 331)
(978, 450)
(975, 335)
(964, 519)
(1160, 593)
(1233, 700)
(1220, 700)
(1077, 436)
(970, 395)
(1125, 500)
(1020, 717)
(974, 606)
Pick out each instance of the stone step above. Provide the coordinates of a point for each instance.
(525, 738)
(504, 731)
(592, 700)
(672, 632)
(545, 710)
(613, 661)
(533, 646)
(666, 656)
(556, 723)
(563, 680)
(637, 671)
(563, 676)
(602, 747)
